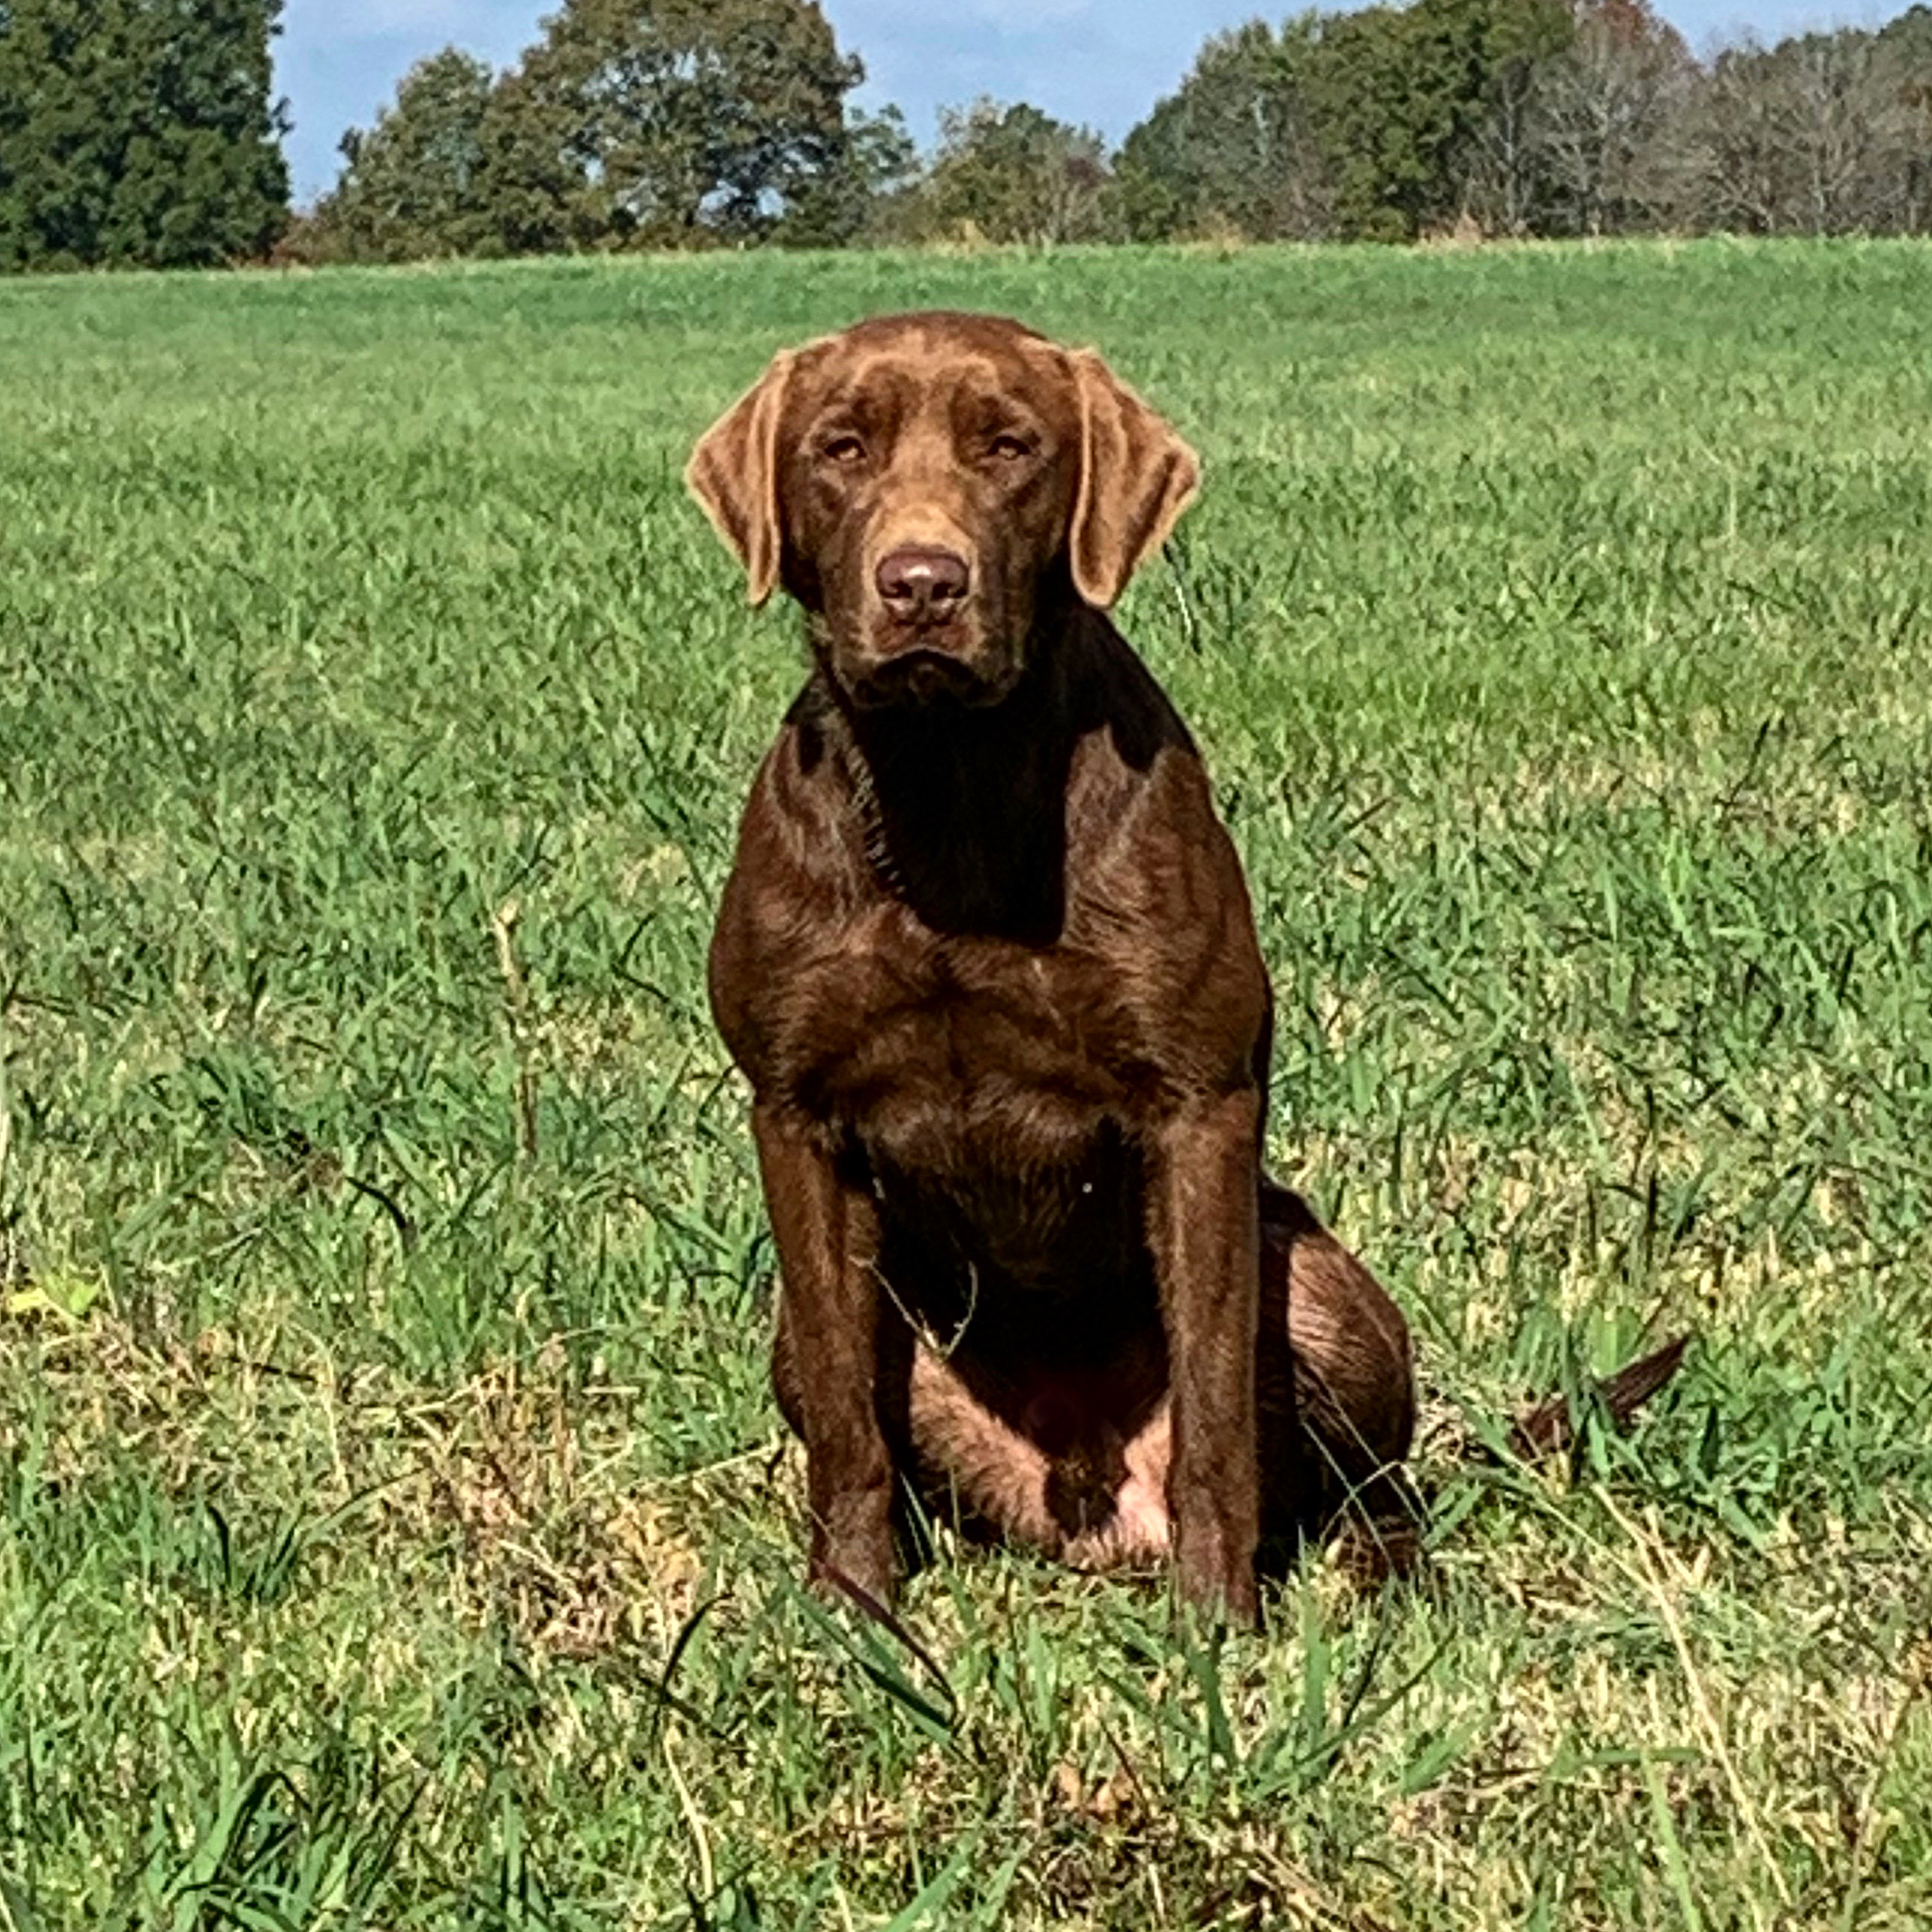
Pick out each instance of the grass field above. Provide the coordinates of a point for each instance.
(395, 1530)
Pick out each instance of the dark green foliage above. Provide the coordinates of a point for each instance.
(862, 196)
(670, 123)
(630, 122)
(1534, 116)
(139, 132)
(539, 200)
(1238, 146)
(414, 184)
(682, 120)
(1015, 174)
(1371, 124)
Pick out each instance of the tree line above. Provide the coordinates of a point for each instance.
(656, 122)
(1535, 117)
(143, 131)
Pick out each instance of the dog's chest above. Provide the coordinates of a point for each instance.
(1012, 1076)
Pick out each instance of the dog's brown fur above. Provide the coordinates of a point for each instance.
(987, 959)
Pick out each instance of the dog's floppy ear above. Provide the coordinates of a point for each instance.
(1136, 477)
(733, 472)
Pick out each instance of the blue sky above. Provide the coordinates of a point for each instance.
(1102, 62)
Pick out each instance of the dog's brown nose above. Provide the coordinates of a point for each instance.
(921, 584)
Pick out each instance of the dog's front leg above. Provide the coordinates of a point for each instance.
(1204, 1212)
(827, 1233)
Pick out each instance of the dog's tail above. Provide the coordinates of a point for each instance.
(1551, 1425)
(1386, 1539)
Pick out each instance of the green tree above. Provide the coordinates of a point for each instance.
(1376, 123)
(415, 183)
(1016, 174)
(1403, 96)
(1506, 184)
(541, 197)
(139, 132)
(862, 196)
(674, 120)
(1236, 147)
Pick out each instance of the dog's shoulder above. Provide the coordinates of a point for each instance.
(798, 815)
(1155, 892)
(1140, 811)
(1114, 689)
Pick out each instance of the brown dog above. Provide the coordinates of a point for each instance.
(987, 959)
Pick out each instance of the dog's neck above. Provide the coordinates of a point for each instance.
(963, 812)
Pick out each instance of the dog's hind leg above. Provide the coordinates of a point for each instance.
(1335, 1393)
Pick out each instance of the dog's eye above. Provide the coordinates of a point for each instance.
(843, 449)
(1009, 449)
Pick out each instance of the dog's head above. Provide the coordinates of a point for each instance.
(921, 483)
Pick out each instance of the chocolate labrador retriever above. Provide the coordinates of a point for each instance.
(987, 960)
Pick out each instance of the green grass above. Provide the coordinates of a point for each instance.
(395, 1530)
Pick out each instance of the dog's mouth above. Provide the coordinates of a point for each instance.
(923, 677)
